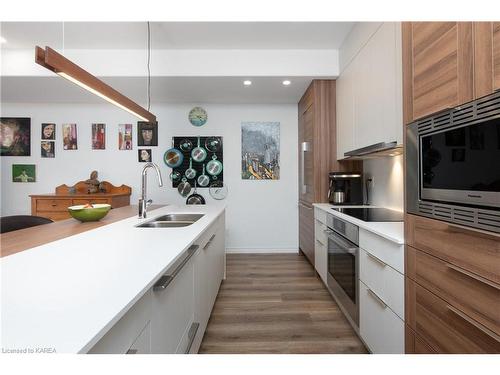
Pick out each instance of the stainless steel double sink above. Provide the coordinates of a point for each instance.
(171, 221)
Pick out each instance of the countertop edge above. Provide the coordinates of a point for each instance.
(363, 225)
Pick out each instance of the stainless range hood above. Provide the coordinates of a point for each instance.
(382, 149)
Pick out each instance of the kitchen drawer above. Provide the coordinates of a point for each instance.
(320, 215)
(384, 280)
(414, 344)
(477, 297)
(90, 201)
(60, 205)
(446, 328)
(473, 251)
(387, 251)
(173, 310)
(380, 328)
(321, 260)
(142, 344)
(319, 232)
(121, 337)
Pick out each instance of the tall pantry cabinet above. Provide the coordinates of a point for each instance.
(317, 155)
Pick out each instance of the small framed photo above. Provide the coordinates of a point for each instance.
(15, 136)
(23, 173)
(48, 149)
(70, 139)
(125, 137)
(49, 131)
(98, 136)
(147, 133)
(145, 155)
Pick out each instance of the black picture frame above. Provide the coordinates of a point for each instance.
(143, 129)
(140, 159)
(15, 136)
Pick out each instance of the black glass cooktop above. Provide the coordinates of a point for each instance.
(371, 214)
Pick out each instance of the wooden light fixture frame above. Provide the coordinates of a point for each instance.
(57, 63)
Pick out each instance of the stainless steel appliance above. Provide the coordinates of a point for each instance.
(372, 213)
(382, 149)
(345, 188)
(343, 266)
(453, 165)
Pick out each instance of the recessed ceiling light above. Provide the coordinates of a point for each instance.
(247, 82)
(286, 82)
(2, 40)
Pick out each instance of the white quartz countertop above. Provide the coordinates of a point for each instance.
(65, 295)
(393, 231)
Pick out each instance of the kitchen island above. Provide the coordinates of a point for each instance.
(66, 295)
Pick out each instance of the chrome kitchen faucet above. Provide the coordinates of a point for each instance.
(144, 203)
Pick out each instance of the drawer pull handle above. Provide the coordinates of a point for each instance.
(377, 298)
(191, 334)
(209, 242)
(471, 321)
(321, 243)
(376, 259)
(132, 351)
(473, 276)
(166, 279)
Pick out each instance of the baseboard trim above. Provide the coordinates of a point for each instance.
(239, 250)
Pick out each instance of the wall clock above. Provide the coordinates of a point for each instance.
(198, 116)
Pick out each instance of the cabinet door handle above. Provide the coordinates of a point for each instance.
(474, 276)
(132, 351)
(471, 321)
(304, 147)
(377, 298)
(376, 259)
(209, 242)
(191, 334)
(166, 279)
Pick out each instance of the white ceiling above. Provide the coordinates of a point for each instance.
(226, 90)
(176, 35)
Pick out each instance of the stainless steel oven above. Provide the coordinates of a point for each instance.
(343, 266)
(453, 165)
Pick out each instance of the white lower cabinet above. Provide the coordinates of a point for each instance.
(173, 313)
(122, 336)
(142, 344)
(172, 316)
(320, 244)
(380, 328)
(210, 267)
(384, 280)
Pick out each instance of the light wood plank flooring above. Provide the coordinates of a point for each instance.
(276, 304)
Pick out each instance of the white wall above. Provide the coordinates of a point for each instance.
(387, 174)
(261, 216)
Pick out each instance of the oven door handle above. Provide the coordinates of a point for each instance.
(344, 244)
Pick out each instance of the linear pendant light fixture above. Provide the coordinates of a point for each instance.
(50, 59)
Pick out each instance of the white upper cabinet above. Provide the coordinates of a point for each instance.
(369, 92)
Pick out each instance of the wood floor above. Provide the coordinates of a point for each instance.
(276, 304)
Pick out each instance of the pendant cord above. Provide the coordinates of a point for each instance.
(149, 68)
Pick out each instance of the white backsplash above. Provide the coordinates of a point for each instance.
(387, 186)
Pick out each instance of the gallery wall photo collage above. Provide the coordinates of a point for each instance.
(15, 140)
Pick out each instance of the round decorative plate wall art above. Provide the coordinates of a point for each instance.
(198, 116)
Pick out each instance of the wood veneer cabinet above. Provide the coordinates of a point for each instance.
(317, 155)
(446, 64)
(437, 66)
(452, 297)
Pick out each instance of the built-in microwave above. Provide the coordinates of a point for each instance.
(453, 164)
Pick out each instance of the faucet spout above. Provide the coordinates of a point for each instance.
(143, 201)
